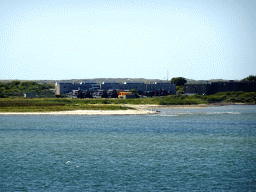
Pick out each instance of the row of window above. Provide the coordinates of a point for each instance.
(188, 87)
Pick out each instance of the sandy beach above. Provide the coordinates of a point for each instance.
(140, 110)
(85, 112)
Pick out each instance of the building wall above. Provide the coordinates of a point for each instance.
(251, 86)
(216, 87)
(197, 88)
(166, 86)
(109, 86)
(57, 89)
(233, 86)
(137, 86)
(63, 88)
(141, 87)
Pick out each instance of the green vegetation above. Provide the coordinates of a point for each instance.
(250, 78)
(178, 81)
(134, 91)
(221, 97)
(17, 88)
(63, 104)
(43, 105)
(180, 89)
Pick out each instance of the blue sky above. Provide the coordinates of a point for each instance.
(43, 39)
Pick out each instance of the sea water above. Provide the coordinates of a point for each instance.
(204, 149)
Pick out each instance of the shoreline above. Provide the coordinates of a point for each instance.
(152, 106)
(85, 112)
(144, 109)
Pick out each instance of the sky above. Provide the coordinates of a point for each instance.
(79, 39)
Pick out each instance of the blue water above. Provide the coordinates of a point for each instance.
(206, 149)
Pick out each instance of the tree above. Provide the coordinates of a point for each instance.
(178, 81)
(134, 91)
(250, 78)
(17, 88)
(24, 85)
(14, 83)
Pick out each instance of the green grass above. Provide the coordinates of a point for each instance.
(64, 104)
(43, 105)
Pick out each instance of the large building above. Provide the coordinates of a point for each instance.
(167, 86)
(106, 85)
(215, 87)
(65, 87)
(139, 86)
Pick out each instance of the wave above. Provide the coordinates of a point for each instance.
(234, 113)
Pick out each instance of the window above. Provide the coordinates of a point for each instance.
(187, 87)
(203, 87)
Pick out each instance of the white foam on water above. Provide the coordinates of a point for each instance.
(234, 113)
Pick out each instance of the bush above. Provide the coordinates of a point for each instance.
(105, 102)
